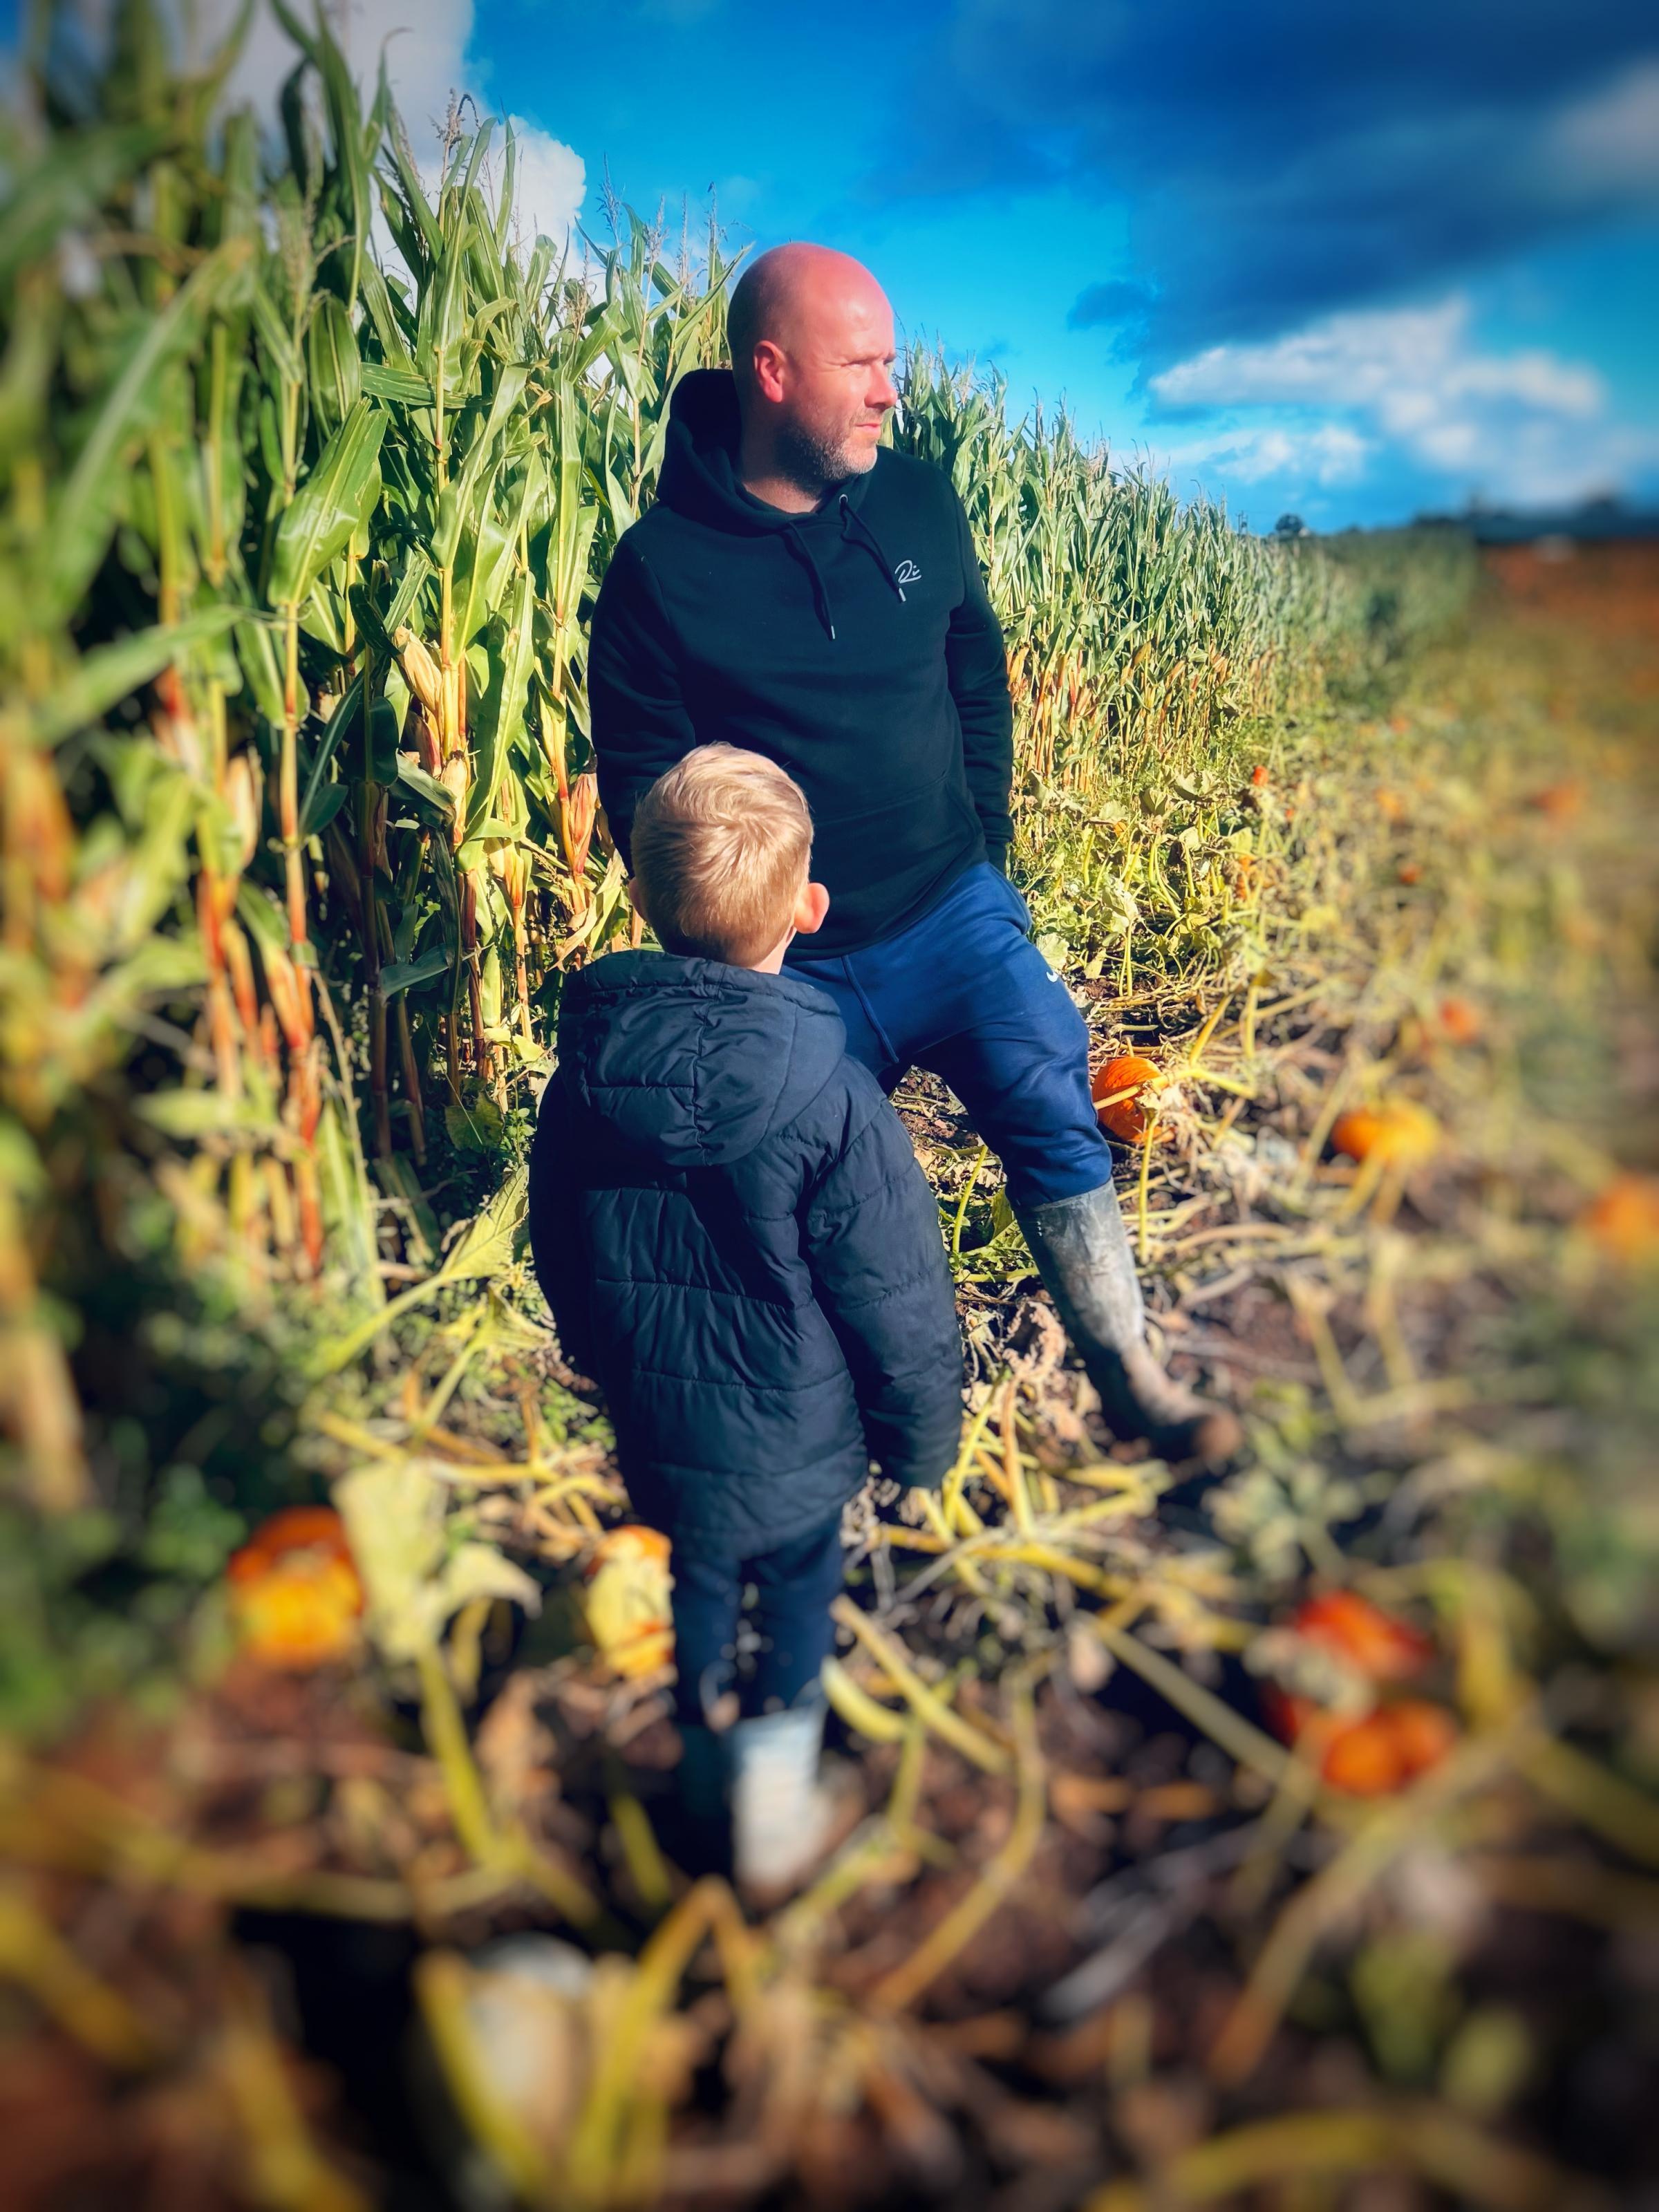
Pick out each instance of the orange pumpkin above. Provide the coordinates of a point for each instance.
(1125, 1118)
(1624, 1218)
(1368, 1755)
(1390, 805)
(1424, 1732)
(1361, 1758)
(1559, 801)
(294, 1591)
(1258, 774)
(1460, 1021)
(626, 1600)
(1410, 872)
(1398, 1132)
(1383, 1647)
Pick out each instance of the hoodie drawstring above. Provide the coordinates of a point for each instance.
(853, 525)
(855, 530)
(803, 553)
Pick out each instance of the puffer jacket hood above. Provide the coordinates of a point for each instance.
(692, 1063)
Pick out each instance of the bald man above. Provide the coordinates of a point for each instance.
(804, 591)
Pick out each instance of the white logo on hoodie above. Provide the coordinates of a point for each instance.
(907, 573)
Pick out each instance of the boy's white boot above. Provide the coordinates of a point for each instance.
(783, 1818)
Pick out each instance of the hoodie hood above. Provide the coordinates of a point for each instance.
(690, 1062)
(699, 480)
(699, 474)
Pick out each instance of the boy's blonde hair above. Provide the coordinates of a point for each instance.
(721, 845)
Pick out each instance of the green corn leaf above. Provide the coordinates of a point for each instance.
(110, 673)
(331, 355)
(189, 1116)
(346, 718)
(348, 1206)
(402, 386)
(413, 192)
(322, 810)
(328, 506)
(425, 788)
(504, 205)
(388, 317)
(480, 562)
(64, 188)
(503, 714)
(383, 730)
(509, 394)
(345, 126)
(256, 649)
(260, 916)
(83, 515)
(406, 974)
(276, 338)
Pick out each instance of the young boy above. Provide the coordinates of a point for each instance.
(738, 1245)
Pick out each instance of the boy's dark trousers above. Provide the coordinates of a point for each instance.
(796, 1585)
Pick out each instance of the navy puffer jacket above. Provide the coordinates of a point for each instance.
(738, 1245)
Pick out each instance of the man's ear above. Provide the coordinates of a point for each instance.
(811, 908)
(768, 370)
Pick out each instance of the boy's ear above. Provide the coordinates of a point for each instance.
(811, 908)
(634, 899)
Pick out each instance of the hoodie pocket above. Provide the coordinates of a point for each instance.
(917, 835)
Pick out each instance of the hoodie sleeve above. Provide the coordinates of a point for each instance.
(873, 1244)
(555, 1231)
(976, 664)
(640, 725)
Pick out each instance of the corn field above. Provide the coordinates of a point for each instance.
(311, 463)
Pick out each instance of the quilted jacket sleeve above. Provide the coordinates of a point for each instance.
(555, 1231)
(879, 1268)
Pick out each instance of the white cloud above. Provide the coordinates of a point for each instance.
(1527, 425)
(1323, 454)
(550, 179)
(1613, 140)
(426, 47)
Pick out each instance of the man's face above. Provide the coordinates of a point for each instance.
(833, 377)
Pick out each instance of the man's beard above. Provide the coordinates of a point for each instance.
(815, 462)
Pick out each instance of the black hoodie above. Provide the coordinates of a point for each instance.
(855, 646)
(738, 1243)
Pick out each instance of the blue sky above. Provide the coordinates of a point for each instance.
(1354, 259)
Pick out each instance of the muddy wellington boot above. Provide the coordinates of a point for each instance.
(1082, 1251)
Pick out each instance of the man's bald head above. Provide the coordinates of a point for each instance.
(811, 340)
(791, 288)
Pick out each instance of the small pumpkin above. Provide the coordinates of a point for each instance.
(294, 1591)
(1369, 1754)
(1560, 802)
(1125, 1117)
(1623, 1218)
(626, 1602)
(1398, 1132)
(1459, 1021)
(1379, 1645)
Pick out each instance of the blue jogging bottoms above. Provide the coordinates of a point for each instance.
(965, 994)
